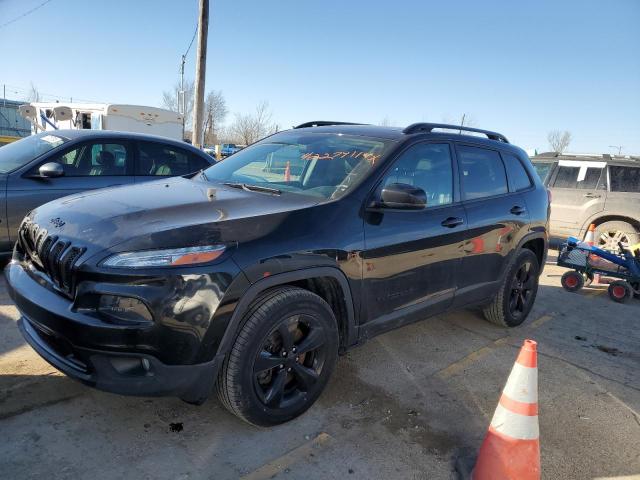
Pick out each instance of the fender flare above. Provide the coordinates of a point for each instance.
(234, 326)
(534, 235)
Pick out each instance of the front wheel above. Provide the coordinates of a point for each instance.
(513, 302)
(282, 358)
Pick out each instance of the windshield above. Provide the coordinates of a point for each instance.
(17, 154)
(325, 165)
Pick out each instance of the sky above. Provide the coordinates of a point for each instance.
(520, 68)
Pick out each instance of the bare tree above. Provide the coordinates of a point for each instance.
(385, 122)
(215, 113)
(34, 94)
(172, 100)
(559, 141)
(249, 128)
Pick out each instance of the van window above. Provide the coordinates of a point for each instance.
(624, 179)
(481, 172)
(570, 177)
(516, 173)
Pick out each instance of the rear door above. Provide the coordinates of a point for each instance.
(578, 192)
(497, 215)
(87, 165)
(412, 257)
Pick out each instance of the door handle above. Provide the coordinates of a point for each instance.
(452, 222)
(517, 210)
(591, 195)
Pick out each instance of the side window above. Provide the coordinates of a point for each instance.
(624, 179)
(162, 160)
(516, 173)
(198, 163)
(481, 172)
(95, 159)
(542, 169)
(426, 166)
(580, 177)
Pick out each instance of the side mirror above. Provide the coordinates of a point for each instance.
(403, 196)
(51, 170)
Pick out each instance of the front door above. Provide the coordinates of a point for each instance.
(411, 257)
(578, 191)
(89, 165)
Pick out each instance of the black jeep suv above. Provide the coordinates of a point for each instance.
(253, 274)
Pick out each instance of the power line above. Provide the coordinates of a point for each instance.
(190, 43)
(28, 12)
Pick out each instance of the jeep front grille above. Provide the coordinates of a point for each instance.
(54, 257)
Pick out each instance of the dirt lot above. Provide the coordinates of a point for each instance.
(403, 405)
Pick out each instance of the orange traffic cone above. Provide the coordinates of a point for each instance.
(287, 172)
(511, 448)
(590, 236)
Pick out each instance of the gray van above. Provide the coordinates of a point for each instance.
(599, 189)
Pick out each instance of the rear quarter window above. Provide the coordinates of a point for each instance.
(516, 173)
(624, 179)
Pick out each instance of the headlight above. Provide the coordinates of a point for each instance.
(165, 258)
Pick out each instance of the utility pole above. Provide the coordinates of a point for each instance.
(619, 147)
(181, 98)
(201, 66)
(462, 122)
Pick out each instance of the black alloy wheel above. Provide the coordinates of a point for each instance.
(522, 290)
(289, 365)
(282, 357)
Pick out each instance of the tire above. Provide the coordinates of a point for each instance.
(279, 322)
(636, 287)
(500, 310)
(609, 233)
(620, 291)
(572, 281)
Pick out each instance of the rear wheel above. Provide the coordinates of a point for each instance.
(572, 281)
(608, 234)
(513, 302)
(620, 291)
(281, 359)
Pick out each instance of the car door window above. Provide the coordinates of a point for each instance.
(518, 177)
(624, 179)
(542, 169)
(580, 177)
(482, 172)
(95, 159)
(156, 159)
(426, 166)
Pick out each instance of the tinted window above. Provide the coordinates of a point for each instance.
(481, 173)
(21, 152)
(624, 179)
(585, 178)
(162, 160)
(426, 166)
(198, 163)
(518, 177)
(542, 169)
(95, 159)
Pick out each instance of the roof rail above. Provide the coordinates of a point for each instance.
(428, 127)
(324, 123)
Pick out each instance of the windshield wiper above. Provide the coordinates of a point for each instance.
(253, 188)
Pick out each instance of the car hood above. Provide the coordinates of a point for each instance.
(169, 213)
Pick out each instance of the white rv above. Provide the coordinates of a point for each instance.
(103, 116)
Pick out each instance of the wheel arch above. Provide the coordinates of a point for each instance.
(601, 218)
(538, 243)
(327, 282)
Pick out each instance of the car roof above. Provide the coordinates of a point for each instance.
(97, 134)
(400, 134)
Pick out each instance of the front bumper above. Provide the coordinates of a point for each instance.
(123, 373)
(114, 358)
